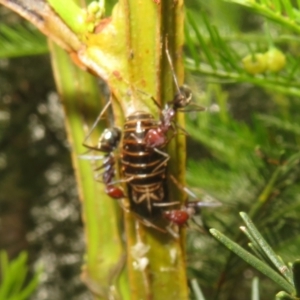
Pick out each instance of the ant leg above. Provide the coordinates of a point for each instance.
(91, 157)
(172, 232)
(155, 102)
(151, 97)
(174, 132)
(90, 147)
(166, 155)
(148, 223)
(95, 124)
(183, 188)
(122, 180)
(181, 128)
(144, 221)
(166, 204)
(194, 204)
(193, 107)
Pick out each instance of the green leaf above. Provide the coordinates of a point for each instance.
(196, 289)
(222, 51)
(256, 237)
(285, 296)
(13, 278)
(252, 260)
(255, 289)
(296, 275)
(21, 40)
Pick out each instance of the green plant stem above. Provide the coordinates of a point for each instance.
(82, 102)
(75, 16)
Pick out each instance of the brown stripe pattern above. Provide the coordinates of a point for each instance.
(142, 167)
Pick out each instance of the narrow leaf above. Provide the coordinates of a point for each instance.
(197, 290)
(288, 9)
(255, 289)
(285, 296)
(252, 260)
(21, 40)
(191, 46)
(296, 276)
(204, 47)
(282, 268)
(20, 275)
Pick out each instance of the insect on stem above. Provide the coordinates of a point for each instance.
(144, 161)
(172, 67)
(97, 121)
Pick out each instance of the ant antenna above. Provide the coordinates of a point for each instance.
(172, 67)
(151, 97)
(98, 119)
(190, 193)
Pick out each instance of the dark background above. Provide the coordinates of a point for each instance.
(39, 206)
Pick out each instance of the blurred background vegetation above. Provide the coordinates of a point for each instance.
(39, 206)
(240, 151)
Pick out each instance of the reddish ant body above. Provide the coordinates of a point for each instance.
(181, 216)
(158, 137)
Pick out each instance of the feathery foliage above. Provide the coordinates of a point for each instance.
(14, 275)
(220, 51)
(242, 59)
(247, 153)
(21, 39)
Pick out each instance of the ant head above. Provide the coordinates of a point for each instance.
(109, 139)
(182, 98)
(193, 207)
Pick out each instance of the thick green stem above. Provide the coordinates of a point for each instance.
(104, 250)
